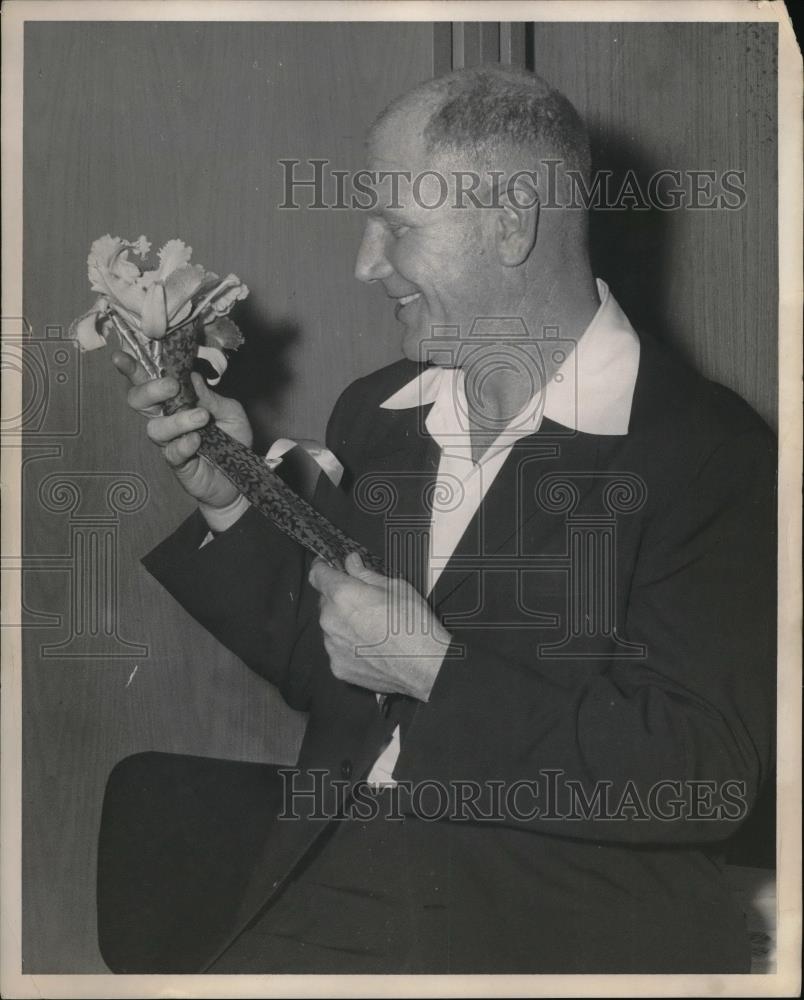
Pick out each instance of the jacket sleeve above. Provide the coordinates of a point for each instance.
(248, 585)
(244, 587)
(681, 739)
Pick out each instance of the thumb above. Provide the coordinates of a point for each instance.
(206, 397)
(356, 568)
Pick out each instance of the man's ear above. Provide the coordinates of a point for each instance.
(517, 223)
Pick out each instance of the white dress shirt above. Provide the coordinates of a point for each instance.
(591, 392)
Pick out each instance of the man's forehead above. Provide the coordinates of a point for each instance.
(397, 143)
(404, 170)
(408, 175)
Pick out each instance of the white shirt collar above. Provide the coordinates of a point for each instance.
(591, 392)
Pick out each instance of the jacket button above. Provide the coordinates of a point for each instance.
(346, 769)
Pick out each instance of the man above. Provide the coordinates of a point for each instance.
(535, 732)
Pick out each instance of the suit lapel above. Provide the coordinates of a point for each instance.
(507, 523)
(390, 502)
(390, 498)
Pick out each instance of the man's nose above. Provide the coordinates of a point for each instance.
(372, 264)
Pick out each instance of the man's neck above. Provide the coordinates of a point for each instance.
(511, 373)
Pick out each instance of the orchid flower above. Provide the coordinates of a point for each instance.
(145, 305)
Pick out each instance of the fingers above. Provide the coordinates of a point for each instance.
(347, 590)
(218, 406)
(145, 395)
(129, 367)
(331, 649)
(162, 430)
(179, 451)
(326, 580)
(152, 393)
(202, 390)
(333, 584)
(330, 621)
(356, 568)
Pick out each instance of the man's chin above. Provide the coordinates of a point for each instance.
(414, 344)
(412, 339)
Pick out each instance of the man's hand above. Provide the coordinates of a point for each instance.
(361, 608)
(178, 436)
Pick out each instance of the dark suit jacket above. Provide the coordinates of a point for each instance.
(612, 613)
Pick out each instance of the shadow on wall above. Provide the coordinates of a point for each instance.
(259, 373)
(630, 247)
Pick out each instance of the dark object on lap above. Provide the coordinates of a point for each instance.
(179, 838)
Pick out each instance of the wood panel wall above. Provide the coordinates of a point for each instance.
(173, 130)
(689, 97)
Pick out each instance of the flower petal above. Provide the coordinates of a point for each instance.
(222, 333)
(179, 317)
(121, 292)
(110, 254)
(103, 250)
(173, 255)
(147, 278)
(181, 285)
(84, 331)
(124, 268)
(141, 246)
(219, 294)
(154, 312)
(111, 273)
(217, 359)
(232, 291)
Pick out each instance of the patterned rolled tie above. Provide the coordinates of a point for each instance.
(249, 473)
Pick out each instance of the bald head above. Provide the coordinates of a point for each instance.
(492, 118)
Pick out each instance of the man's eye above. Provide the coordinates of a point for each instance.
(397, 229)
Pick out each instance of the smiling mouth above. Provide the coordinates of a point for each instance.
(404, 301)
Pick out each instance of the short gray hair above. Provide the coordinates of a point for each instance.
(493, 111)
